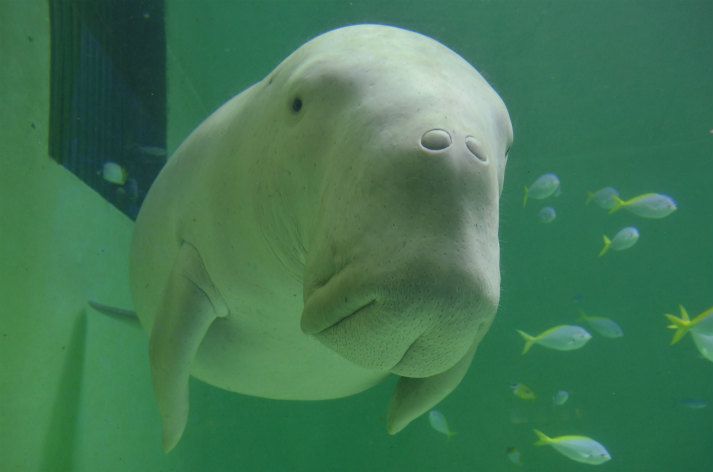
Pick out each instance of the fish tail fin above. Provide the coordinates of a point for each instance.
(529, 341)
(542, 438)
(607, 245)
(590, 197)
(682, 325)
(524, 199)
(582, 316)
(699, 318)
(618, 204)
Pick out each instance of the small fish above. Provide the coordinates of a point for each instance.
(604, 326)
(604, 197)
(648, 205)
(561, 338)
(704, 344)
(543, 187)
(694, 404)
(153, 151)
(578, 448)
(701, 324)
(522, 391)
(560, 397)
(439, 423)
(547, 215)
(514, 455)
(114, 173)
(624, 239)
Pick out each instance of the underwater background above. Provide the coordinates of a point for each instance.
(601, 93)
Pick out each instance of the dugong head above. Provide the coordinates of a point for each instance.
(407, 147)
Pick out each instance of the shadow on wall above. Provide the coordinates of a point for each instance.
(60, 441)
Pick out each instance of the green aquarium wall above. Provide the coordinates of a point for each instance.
(600, 93)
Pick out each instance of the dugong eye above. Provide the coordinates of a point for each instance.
(296, 104)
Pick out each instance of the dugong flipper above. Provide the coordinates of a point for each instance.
(415, 396)
(332, 225)
(189, 305)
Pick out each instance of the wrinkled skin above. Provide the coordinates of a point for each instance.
(333, 224)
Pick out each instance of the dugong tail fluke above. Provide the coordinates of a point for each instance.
(189, 305)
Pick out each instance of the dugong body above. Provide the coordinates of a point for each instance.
(333, 224)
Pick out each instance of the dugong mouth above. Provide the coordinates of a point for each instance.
(337, 318)
(366, 306)
(348, 317)
(367, 327)
(340, 328)
(372, 336)
(333, 302)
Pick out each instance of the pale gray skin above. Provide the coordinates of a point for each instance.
(309, 254)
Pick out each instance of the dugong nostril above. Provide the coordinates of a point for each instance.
(436, 139)
(475, 148)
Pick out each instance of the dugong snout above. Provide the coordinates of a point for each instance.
(404, 273)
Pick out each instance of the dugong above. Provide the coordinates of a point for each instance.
(335, 223)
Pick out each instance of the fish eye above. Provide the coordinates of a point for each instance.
(297, 104)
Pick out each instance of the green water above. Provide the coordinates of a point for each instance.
(600, 93)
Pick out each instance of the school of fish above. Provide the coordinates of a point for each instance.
(568, 337)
